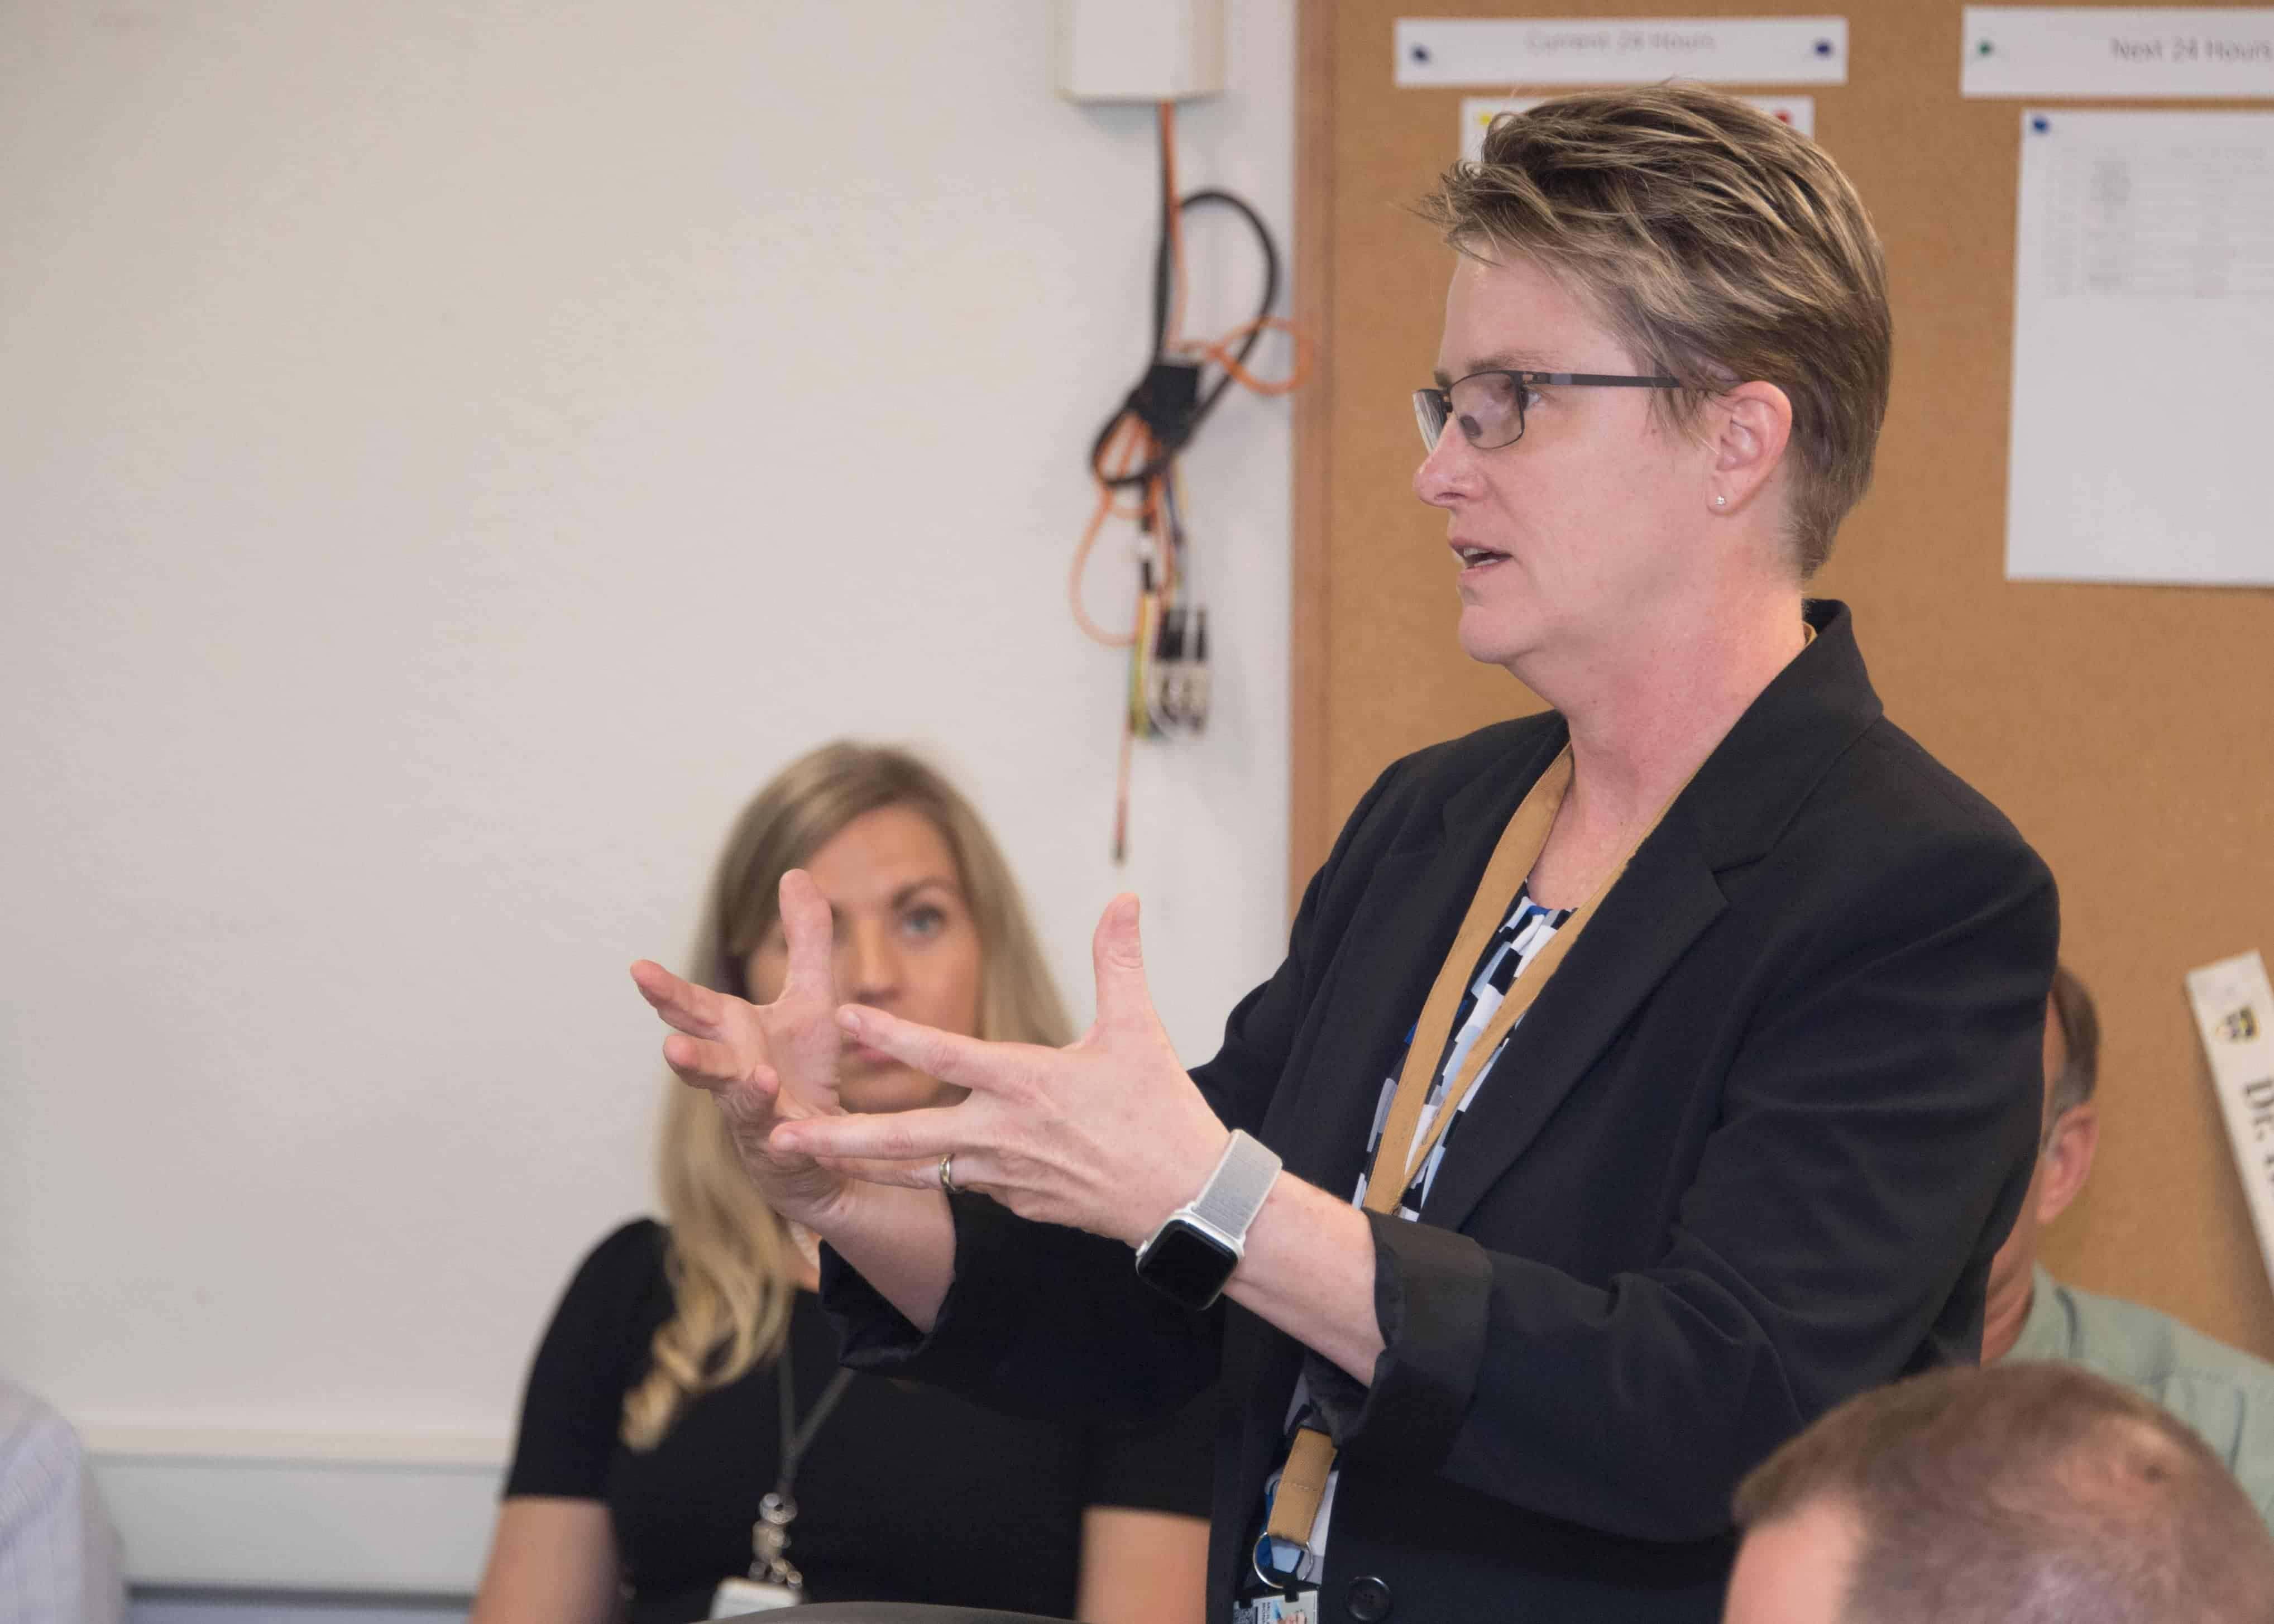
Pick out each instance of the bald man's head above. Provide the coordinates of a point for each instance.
(2032, 1493)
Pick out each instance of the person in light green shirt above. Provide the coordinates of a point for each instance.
(2225, 1394)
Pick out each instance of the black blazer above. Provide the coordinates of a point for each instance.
(1749, 1153)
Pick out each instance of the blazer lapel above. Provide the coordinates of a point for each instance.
(1413, 901)
(1664, 901)
(1732, 813)
(1320, 1115)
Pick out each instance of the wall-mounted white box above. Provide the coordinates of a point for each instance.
(1139, 50)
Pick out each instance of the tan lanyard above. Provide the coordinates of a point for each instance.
(1303, 1481)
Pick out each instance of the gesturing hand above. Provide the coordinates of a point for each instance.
(764, 1064)
(1108, 1134)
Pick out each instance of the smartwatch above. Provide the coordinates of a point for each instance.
(1191, 1256)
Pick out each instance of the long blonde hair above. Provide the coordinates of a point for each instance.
(730, 1260)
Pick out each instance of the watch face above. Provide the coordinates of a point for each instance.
(1186, 1264)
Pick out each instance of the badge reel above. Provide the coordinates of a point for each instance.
(773, 1582)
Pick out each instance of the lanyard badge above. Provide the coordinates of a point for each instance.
(736, 1598)
(775, 1580)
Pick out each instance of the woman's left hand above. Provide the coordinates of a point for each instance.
(1108, 1135)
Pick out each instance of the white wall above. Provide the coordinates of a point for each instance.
(450, 454)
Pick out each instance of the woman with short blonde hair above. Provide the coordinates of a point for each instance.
(1715, 240)
(1645, 1076)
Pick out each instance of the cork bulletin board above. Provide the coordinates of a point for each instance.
(2125, 729)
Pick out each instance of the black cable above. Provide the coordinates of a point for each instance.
(1168, 399)
(1270, 285)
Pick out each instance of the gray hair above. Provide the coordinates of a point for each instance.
(2080, 1030)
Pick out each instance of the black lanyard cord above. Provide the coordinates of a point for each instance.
(770, 1534)
(797, 1437)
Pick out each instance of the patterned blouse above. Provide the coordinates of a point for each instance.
(1528, 928)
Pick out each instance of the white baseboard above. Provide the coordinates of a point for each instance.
(373, 1515)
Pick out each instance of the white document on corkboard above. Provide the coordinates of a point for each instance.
(2144, 348)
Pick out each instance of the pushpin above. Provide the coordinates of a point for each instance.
(1420, 53)
(1824, 47)
(2041, 123)
(1984, 49)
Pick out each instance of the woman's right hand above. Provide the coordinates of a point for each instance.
(765, 1063)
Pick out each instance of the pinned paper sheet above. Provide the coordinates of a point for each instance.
(2235, 1016)
(2143, 334)
(1619, 50)
(2118, 50)
(1477, 112)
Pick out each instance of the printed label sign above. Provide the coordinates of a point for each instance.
(2074, 50)
(1628, 51)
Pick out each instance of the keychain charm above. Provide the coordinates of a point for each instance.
(770, 1538)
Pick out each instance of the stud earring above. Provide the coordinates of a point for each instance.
(1720, 502)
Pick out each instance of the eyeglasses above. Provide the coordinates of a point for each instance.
(1489, 406)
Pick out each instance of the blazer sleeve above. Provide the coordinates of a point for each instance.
(1045, 1320)
(1877, 1124)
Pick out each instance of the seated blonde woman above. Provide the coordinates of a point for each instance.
(651, 1466)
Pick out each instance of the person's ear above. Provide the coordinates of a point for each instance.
(2067, 1161)
(1752, 425)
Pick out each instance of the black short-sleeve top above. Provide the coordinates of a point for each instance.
(906, 1494)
